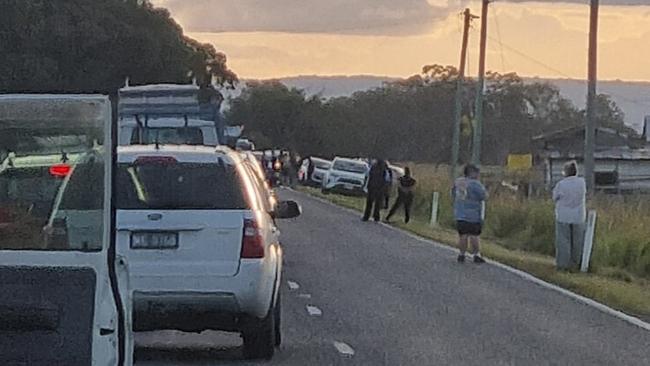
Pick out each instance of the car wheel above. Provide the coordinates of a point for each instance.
(260, 338)
(278, 320)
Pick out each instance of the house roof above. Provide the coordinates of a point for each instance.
(575, 129)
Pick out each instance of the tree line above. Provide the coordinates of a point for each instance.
(411, 119)
(92, 46)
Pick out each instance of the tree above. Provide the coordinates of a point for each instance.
(410, 119)
(88, 46)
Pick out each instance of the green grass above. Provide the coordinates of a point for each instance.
(616, 287)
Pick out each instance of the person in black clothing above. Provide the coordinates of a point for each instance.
(388, 177)
(376, 190)
(405, 196)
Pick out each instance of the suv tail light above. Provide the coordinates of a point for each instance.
(252, 242)
(60, 170)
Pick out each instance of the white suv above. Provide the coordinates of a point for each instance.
(346, 176)
(197, 229)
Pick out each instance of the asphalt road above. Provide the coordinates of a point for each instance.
(387, 299)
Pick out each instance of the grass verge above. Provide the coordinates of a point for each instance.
(611, 286)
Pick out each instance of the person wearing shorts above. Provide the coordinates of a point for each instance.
(469, 196)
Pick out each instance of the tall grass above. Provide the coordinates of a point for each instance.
(622, 236)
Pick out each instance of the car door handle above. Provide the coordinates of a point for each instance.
(106, 331)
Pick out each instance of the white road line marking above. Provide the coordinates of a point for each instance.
(525, 275)
(304, 296)
(293, 285)
(344, 349)
(314, 311)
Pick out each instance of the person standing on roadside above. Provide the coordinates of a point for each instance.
(469, 196)
(569, 196)
(405, 194)
(376, 190)
(388, 177)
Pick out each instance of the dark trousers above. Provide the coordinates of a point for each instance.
(403, 199)
(374, 199)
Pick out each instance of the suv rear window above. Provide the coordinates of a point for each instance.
(169, 135)
(178, 186)
(348, 166)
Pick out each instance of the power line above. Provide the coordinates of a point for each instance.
(498, 28)
(561, 73)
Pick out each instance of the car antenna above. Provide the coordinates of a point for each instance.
(140, 128)
(157, 142)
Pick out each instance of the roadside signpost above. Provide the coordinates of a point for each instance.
(589, 241)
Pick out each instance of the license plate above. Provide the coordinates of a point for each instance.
(149, 240)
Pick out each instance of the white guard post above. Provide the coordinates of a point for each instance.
(589, 241)
(434, 208)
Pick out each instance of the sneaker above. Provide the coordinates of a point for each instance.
(461, 258)
(478, 259)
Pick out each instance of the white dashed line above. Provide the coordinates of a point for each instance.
(293, 285)
(314, 311)
(304, 296)
(344, 349)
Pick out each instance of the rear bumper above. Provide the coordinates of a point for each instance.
(195, 303)
(186, 311)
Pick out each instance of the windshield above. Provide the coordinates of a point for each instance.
(179, 186)
(168, 135)
(41, 207)
(325, 165)
(348, 166)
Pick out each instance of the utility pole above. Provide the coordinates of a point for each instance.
(478, 114)
(458, 111)
(590, 128)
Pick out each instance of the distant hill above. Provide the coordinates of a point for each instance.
(632, 97)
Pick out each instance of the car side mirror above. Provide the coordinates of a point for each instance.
(287, 210)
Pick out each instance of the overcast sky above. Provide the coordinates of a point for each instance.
(266, 38)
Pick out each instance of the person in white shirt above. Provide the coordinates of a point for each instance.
(570, 196)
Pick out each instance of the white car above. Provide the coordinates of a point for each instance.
(320, 166)
(197, 228)
(346, 176)
(62, 303)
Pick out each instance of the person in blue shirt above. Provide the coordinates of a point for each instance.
(469, 196)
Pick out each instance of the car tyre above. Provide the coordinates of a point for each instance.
(260, 338)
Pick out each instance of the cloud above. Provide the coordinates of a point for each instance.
(378, 17)
(310, 16)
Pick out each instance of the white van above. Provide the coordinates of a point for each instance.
(62, 304)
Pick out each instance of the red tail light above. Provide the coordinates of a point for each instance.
(252, 242)
(60, 170)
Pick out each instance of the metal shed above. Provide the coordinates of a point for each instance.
(622, 162)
